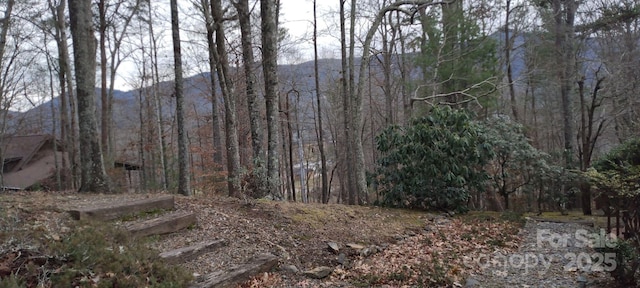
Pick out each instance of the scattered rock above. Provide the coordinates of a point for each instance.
(290, 269)
(442, 221)
(365, 252)
(471, 283)
(342, 259)
(333, 247)
(355, 246)
(318, 272)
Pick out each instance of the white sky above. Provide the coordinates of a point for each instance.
(297, 17)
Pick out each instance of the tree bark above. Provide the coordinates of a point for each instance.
(508, 45)
(184, 186)
(346, 109)
(162, 147)
(268, 13)
(104, 99)
(228, 94)
(323, 156)
(255, 122)
(58, 13)
(215, 119)
(93, 175)
(564, 14)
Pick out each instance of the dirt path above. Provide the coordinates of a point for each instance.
(551, 255)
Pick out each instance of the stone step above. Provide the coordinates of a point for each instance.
(112, 210)
(185, 254)
(164, 224)
(230, 277)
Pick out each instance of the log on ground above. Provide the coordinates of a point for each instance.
(115, 210)
(185, 254)
(228, 278)
(164, 224)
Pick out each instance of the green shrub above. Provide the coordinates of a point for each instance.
(433, 163)
(616, 178)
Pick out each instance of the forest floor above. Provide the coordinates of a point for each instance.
(361, 246)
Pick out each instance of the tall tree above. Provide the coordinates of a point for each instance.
(268, 13)
(257, 138)
(219, 53)
(93, 175)
(205, 7)
(114, 19)
(4, 26)
(345, 92)
(323, 157)
(184, 186)
(564, 16)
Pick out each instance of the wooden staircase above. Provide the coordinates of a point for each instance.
(172, 221)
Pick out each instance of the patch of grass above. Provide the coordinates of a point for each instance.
(11, 282)
(480, 216)
(600, 221)
(515, 217)
(94, 255)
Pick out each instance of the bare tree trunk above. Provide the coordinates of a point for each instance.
(406, 103)
(292, 174)
(183, 153)
(269, 25)
(94, 178)
(564, 14)
(215, 119)
(58, 13)
(162, 146)
(257, 138)
(54, 125)
(228, 94)
(323, 157)
(104, 99)
(346, 106)
(508, 45)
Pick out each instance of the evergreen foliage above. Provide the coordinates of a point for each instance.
(517, 164)
(434, 162)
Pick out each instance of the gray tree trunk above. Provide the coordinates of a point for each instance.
(268, 13)
(257, 138)
(564, 15)
(346, 109)
(5, 25)
(93, 175)
(228, 94)
(323, 156)
(184, 186)
(157, 105)
(58, 13)
(215, 119)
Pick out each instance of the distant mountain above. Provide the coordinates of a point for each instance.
(296, 82)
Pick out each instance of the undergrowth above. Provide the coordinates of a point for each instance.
(91, 255)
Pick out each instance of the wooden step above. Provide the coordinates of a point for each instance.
(164, 224)
(116, 210)
(228, 278)
(185, 254)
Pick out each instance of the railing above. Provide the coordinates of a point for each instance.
(627, 222)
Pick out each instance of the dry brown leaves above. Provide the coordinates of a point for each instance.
(438, 257)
